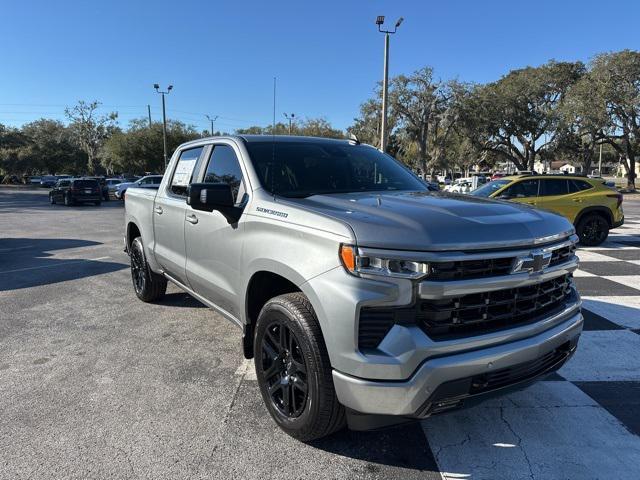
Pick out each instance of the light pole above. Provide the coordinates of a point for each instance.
(289, 117)
(215, 117)
(164, 120)
(385, 78)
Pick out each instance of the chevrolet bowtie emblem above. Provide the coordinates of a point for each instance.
(535, 262)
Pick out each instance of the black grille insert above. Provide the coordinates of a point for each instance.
(489, 311)
(468, 315)
(469, 269)
(562, 255)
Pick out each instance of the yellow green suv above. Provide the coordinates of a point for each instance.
(592, 206)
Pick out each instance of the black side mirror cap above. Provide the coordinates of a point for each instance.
(213, 196)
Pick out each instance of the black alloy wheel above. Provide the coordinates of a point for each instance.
(149, 286)
(138, 271)
(593, 230)
(285, 370)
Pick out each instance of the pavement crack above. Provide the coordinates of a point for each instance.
(519, 442)
(452, 445)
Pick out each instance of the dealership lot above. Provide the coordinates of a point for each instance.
(97, 384)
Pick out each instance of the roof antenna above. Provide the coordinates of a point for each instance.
(273, 143)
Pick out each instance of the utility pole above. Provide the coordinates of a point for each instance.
(600, 162)
(164, 120)
(149, 112)
(289, 117)
(215, 117)
(385, 78)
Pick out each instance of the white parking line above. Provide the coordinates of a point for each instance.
(65, 264)
(552, 430)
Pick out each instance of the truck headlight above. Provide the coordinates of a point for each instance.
(357, 264)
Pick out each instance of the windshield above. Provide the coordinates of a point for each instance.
(488, 189)
(302, 169)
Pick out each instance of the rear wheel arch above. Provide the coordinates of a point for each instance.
(602, 211)
(132, 232)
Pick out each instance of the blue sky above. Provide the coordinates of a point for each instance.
(221, 57)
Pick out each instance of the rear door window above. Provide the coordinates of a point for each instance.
(555, 186)
(184, 170)
(576, 186)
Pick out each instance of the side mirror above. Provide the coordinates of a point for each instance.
(213, 196)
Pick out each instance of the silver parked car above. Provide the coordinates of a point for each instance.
(150, 181)
(363, 298)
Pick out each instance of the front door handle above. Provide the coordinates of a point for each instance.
(192, 219)
(577, 200)
(158, 210)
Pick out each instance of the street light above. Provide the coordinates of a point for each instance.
(164, 120)
(385, 78)
(215, 117)
(289, 117)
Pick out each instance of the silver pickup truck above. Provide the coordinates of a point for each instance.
(362, 297)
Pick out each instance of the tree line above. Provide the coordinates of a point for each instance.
(557, 111)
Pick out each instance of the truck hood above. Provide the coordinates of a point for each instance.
(438, 221)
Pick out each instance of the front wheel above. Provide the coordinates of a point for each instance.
(68, 201)
(293, 369)
(593, 229)
(148, 286)
(52, 200)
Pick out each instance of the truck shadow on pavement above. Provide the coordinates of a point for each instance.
(179, 299)
(31, 262)
(402, 446)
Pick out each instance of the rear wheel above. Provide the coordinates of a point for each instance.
(593, 229)
(293, 369)
(68, 201)
(148, 286)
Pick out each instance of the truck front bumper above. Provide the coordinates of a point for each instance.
(447, 382)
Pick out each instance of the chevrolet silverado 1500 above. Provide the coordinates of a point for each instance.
(362, 297)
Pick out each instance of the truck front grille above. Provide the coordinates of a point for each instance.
(469, 269)
(480, 313)
(488, 267)
(562, 255)
(467, 315)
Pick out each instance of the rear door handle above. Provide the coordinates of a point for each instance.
(192, 219)
(158, 210)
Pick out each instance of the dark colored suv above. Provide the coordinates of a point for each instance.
(76, 190)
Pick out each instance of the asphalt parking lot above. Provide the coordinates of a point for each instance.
(96, 384)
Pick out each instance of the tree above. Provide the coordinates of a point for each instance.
(314, 127)
(511, 116)
(90, 129)
(140, 149)
(51, 149)
(422, 107)
(12, 143)
(614, 94)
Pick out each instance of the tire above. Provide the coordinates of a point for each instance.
(148, 286)
(52, 200)
(68, 201)
(98, 203)
(593, 229)
(285, 367)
